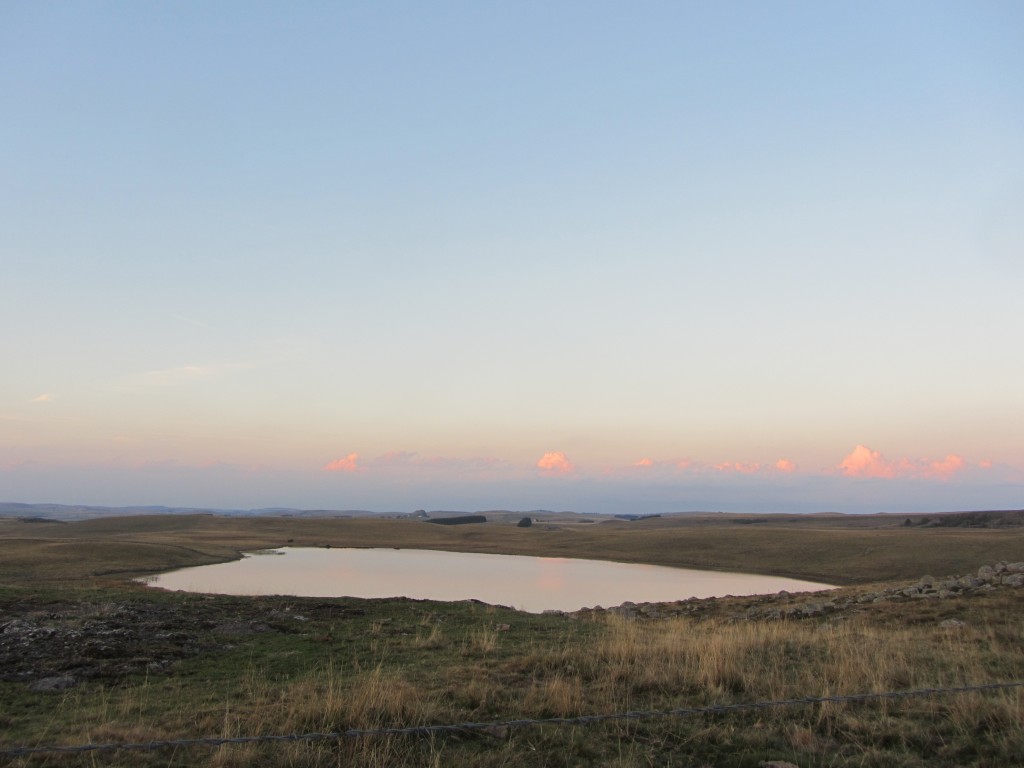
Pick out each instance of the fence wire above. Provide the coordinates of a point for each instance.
(496, 725)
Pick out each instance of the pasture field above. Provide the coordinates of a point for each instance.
(835, 549)
(88, 656)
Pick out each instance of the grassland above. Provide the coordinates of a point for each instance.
(837, 549)
(191, 665)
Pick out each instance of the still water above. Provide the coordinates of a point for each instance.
(532, 584)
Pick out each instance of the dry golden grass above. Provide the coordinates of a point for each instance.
(625, 665)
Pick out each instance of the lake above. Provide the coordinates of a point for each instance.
(531, 584)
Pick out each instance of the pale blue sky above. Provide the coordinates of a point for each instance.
(241, 241)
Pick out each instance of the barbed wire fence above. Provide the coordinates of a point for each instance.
(504, 725)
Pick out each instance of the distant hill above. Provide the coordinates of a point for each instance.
(71, 512)
(965, 519)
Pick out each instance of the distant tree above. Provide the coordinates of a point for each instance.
(526, 522)
(908, 522)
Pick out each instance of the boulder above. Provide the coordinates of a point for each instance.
(58, 683)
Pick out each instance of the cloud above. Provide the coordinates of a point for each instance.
(46, 397)
(785, 465)
(737, 466)
(411, 464)
(347, 464)
(644, 463)
(555, 463)
(865, 462)
(947, 466)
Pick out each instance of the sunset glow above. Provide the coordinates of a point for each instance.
(614, 260)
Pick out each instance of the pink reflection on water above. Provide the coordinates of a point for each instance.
(550, 574)
(529, 583)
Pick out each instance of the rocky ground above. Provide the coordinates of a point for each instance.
(56, 645)
(784, 605)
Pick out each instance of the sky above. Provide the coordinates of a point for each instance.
(606, 257)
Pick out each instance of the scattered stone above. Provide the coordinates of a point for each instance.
(777, 764)
(59, 683)
(785, 605)
(952, 624)
(241, 628)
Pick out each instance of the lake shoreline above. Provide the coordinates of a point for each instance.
(532, 584)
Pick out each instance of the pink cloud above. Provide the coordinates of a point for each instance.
(644, 463)
(865, 462)
(737, 466)
(347, 464)
(555, 463)
(785, 465)
(947, 466)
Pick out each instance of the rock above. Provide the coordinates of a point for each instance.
(952, 624)
(926, 581)
(812, 609)
(777, 764)
(1015, 567)
(59, 683)
(986, 572)
(1014, 580)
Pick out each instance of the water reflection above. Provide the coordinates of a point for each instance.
(529, 583)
